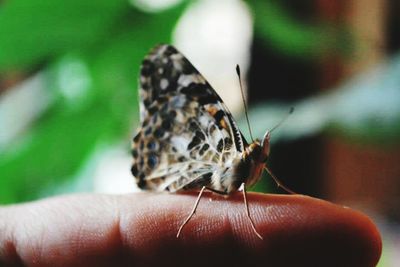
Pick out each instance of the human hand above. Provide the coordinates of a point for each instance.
(140, 230)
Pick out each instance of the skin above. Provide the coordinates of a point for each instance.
(140, 229)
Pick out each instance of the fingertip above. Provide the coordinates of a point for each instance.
(314, 232)
(363, 236)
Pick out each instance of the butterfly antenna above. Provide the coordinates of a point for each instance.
(283, 119)
(244, 102)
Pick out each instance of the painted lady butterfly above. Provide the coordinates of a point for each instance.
(188, 139)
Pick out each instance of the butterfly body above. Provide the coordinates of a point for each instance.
(188, 139)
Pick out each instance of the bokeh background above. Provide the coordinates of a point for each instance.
(69, 104)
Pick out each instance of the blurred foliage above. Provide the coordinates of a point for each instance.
(88, 55)
(48, 29)
(91, 52)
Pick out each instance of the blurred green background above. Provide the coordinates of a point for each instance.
(69, 105)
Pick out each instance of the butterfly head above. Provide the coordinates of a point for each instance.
(258, 151)
(257, 155)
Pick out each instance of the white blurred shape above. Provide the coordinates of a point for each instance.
(215, 36)
(154, 5)
(21, 105)
(112, 174)
(73, 80)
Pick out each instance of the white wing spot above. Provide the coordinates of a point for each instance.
(185, 80)
(180, 143)
(178, 101)
(164, 84)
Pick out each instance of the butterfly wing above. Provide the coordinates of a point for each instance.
(188, 138)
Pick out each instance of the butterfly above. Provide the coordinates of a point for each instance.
(188, 139)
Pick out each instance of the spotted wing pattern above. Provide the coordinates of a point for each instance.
(188, 138)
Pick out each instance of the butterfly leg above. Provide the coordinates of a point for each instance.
(278, 182)
(243, 189)
(192, 212)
